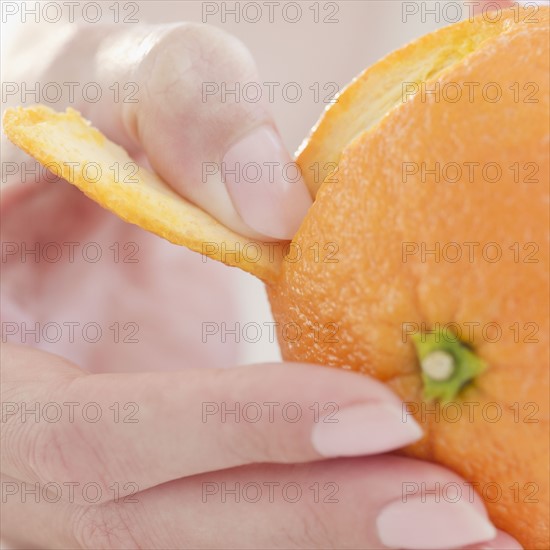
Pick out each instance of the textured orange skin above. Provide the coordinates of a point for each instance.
(369, 291)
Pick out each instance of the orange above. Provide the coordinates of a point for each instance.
(424, 259)
(437, 218)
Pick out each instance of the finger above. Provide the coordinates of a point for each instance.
(332, 504)
(200, 133)
(502, 541)
(336, 504)
(149, 428)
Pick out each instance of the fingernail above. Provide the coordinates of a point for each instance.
(364, 429)
(417, 524)
(502, 541)
(265, 185)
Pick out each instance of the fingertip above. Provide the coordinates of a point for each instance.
(265, 185)
(502, 541)
(420, 524)
(364, 429)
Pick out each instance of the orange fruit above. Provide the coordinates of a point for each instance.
(427, 226)
(424, 259)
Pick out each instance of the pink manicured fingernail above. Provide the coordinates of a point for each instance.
(264, 184)
(503, 541)
(417, 524)
(364, 429)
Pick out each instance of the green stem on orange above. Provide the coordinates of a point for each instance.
(447, 364)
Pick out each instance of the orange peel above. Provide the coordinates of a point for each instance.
(72, 149)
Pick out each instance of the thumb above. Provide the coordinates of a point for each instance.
(211, 145)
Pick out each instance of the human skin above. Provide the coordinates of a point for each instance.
(172, 455)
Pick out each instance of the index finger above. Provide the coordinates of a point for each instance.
(145, 429)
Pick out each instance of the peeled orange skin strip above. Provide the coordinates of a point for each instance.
(379, 89)
(71, 148)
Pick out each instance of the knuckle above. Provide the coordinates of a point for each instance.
(63, 453)
(211, 49)
(47, 453)
(106, 526)
(186, 56)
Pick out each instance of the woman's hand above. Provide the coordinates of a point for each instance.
(180, 104)
(208, 458)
